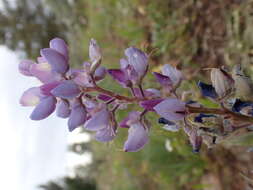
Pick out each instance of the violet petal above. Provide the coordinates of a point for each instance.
(137, 138)
(43, 72)
(67, 89)
(106, 134)
(171, 109)
(31, 97)
(131, 118)
(63, 109)
(46, 88)
(150, 104)
(24, 67)
(77, 117)
(100, 73)
(163, 80)
(172, 72)
(82, 78)
(98, 121)
(58, 62)
(59, 45)
(118, 75)
(44, 108)
(138, 59)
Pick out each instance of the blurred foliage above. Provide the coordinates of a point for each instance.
(68, 183)
(28, 26)
(189, 34)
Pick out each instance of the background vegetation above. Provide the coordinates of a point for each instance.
(192, 34)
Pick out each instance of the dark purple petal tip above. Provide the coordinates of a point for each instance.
(239, 105)
(118, 75)
(207, 90)
(201, 116)
(150, 104)
(163, 80)
(104, 97)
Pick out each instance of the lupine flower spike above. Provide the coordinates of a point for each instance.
(77, 96)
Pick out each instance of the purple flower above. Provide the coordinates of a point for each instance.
(150, 104)
(82, 78)
(139, 61)
(171, 109)
(43, 72)
(137, 132)
(150, 92)
(103, 122)
(46, 88)
(170, 77)
(78, 115)
(56, 56)
(60, 46)
(132, 69)
(165, 81)
(137, 137)
(175, 75)
(98, 121)
(31, 97)
(132, 117)
(66, 89)
(58, 61)
(45, 107)
(120, 76)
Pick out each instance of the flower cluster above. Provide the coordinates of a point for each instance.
(75, 94)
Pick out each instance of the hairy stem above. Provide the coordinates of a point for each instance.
(112, 94)
(219, 112)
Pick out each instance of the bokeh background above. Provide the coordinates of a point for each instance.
(189, 34)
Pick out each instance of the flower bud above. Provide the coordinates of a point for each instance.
(222, 82)
(243, 84)
(94, 54)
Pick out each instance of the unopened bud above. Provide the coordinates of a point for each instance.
(222, 82)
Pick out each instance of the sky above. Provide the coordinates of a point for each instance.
(32, 152)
